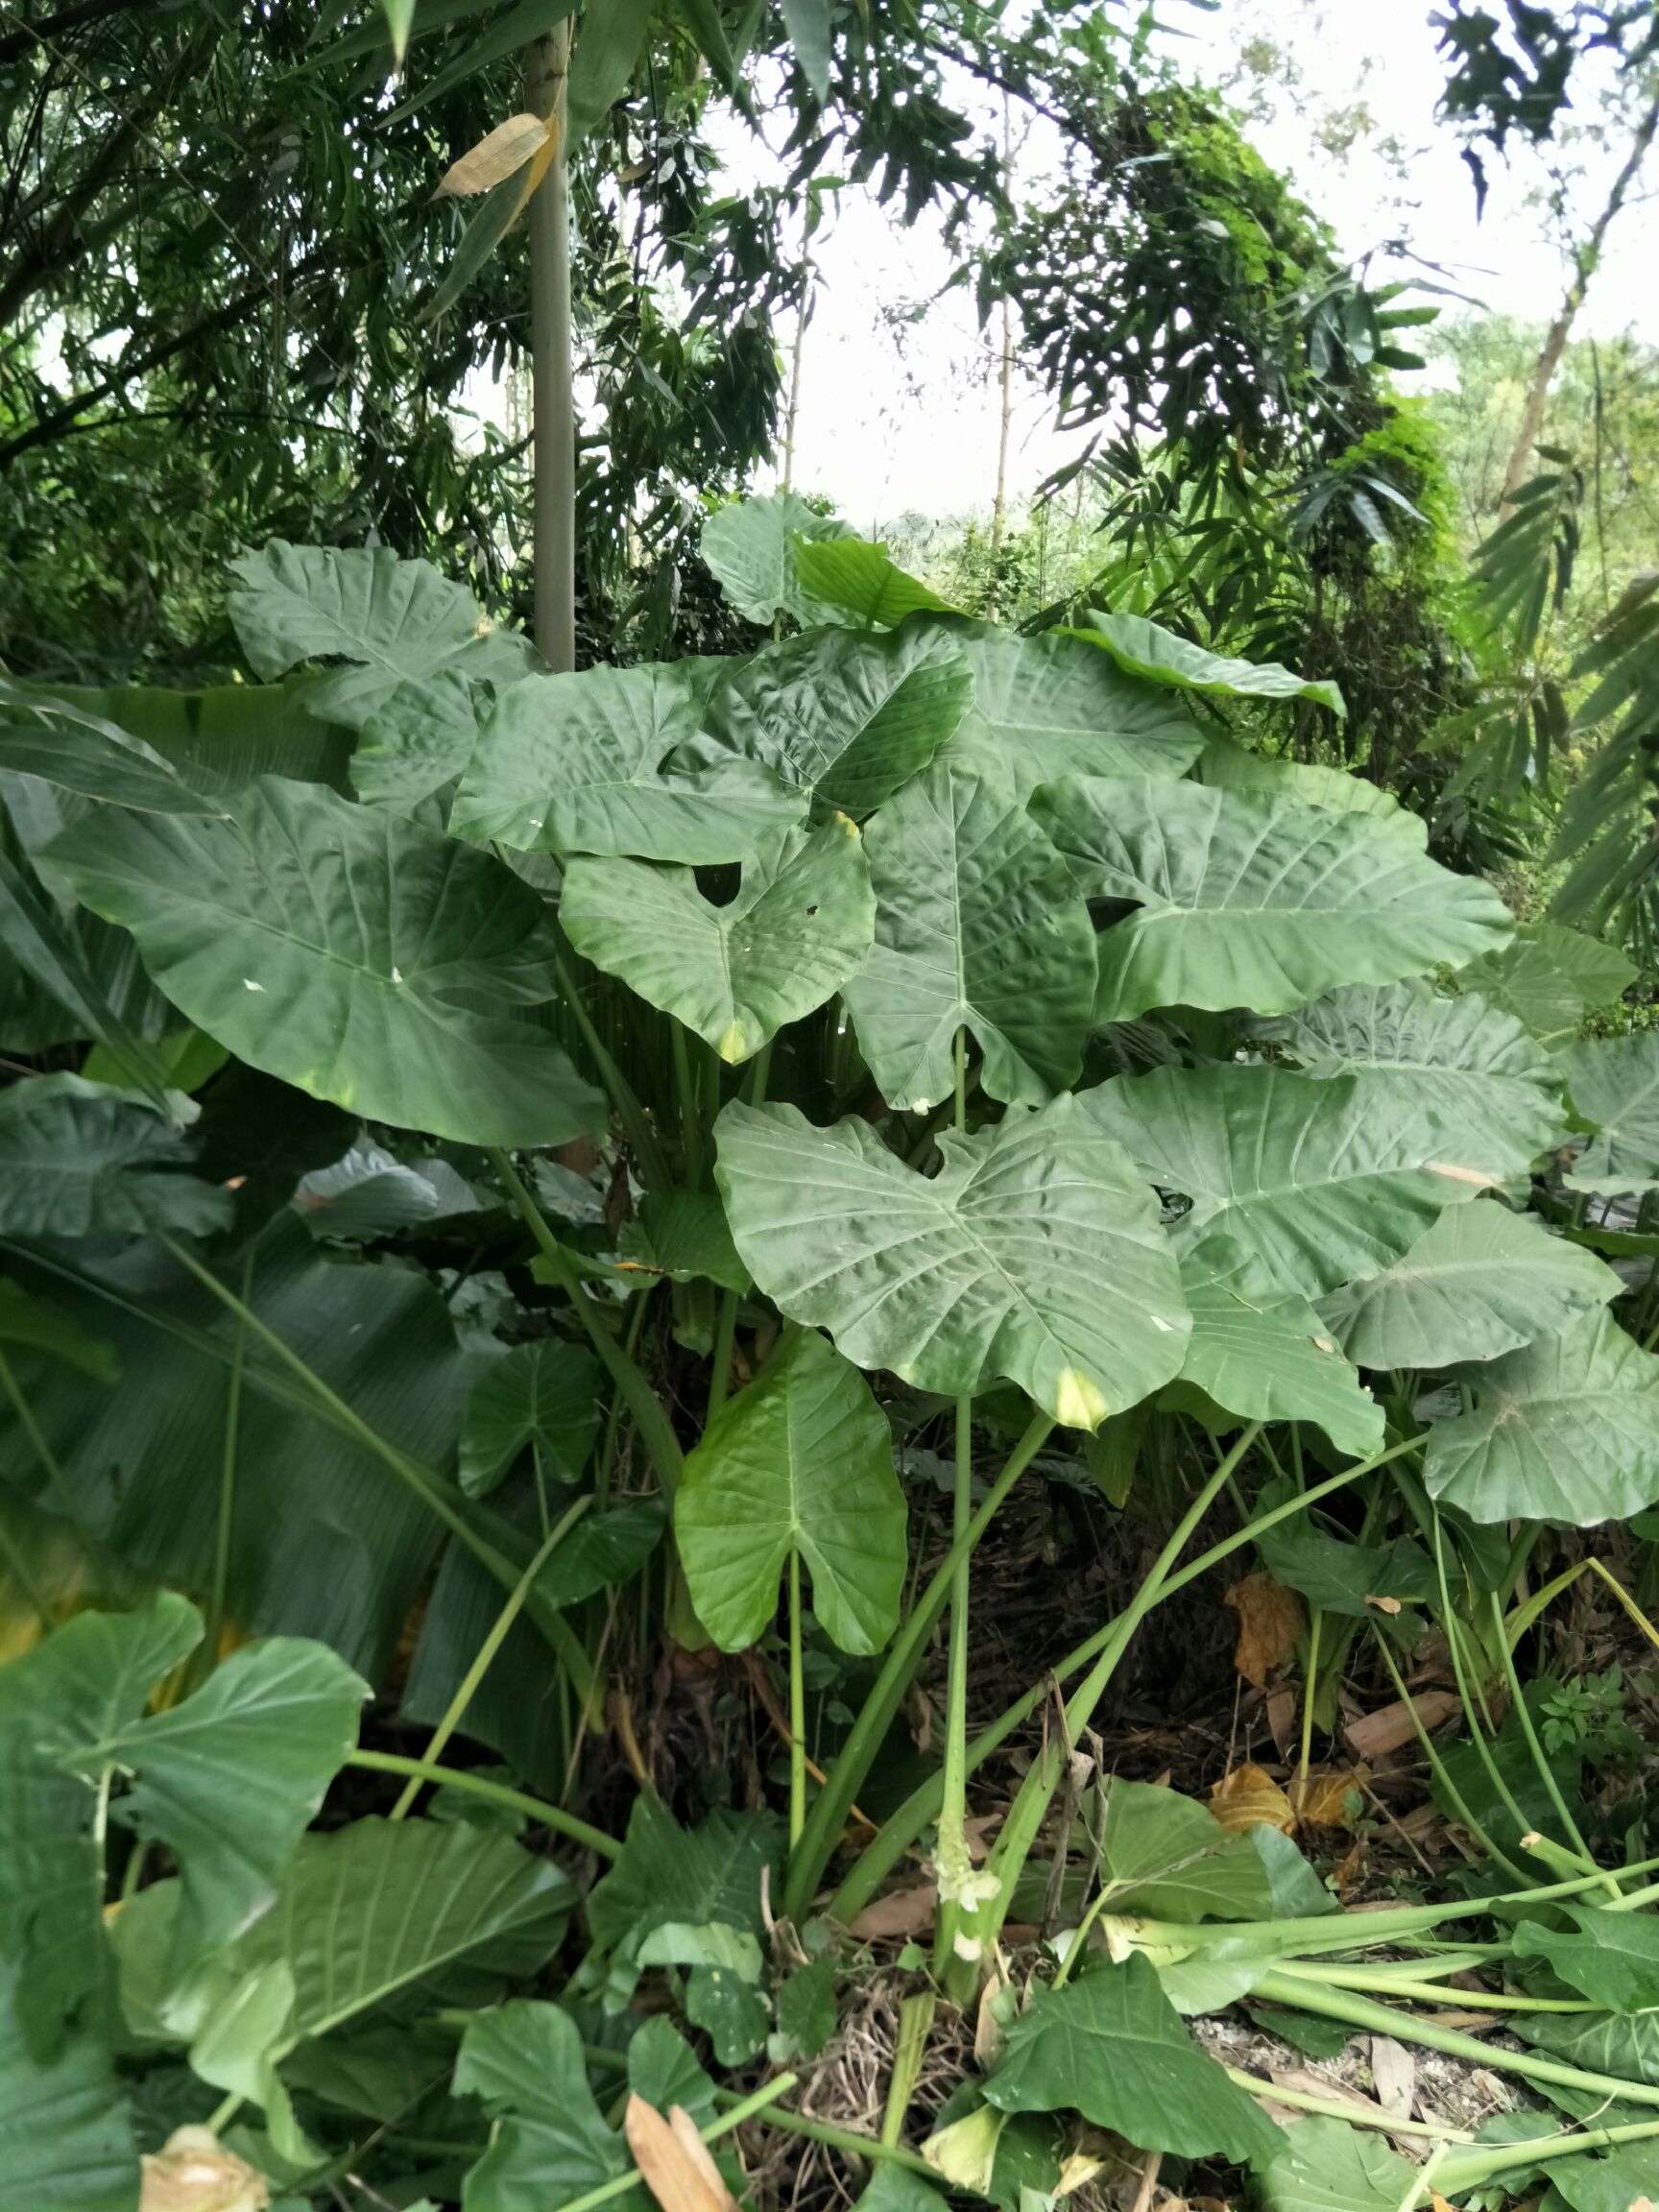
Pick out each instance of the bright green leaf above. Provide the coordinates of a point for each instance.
(1615, 1085)
(1327, 2166)
(860, 578)
(1157, 655)
(1226, 765)
(751, 549)
(1610, 1958)
(549, 2144)
(1550, 977)
(545, 1395)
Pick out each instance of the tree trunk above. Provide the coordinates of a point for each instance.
(553, 407)
(792, 412)
(999, 505)
(1584, 261)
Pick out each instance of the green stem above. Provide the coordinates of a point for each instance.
(955, 1864)
(797, 1709)
(1350, 1974)
(628, 1112)
(1301, 2100)
(1449, 1790)
(655, 1431)
(484, 1658)
(691, 1109)
(1309, 1686)
(746, 2108)
(1545, 1773)
(1472, 2169)
(902, 1827)
(834, 1800)
(216, 1597)
(535, 1809)
(726, 1323)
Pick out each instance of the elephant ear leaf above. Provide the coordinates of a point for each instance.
(349, 953)
(978, 926)
(1615, 1085)
(1244, 900)
(1158, 656)
(751, 548)
(1036, 1254)
(799, 1464)
(1565, 1429)
(80, 1158)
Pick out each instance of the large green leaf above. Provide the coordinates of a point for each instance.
(1617, 2183)
(799, 924)
(1228, 766)
(79, 1159)
(1481, 1282)
(1035, 1254)
(584, 763)
(66, 745)
(220, 738)
(1615, 1084)
(1320, 1182)
(1158, 656)
(418, 741)
(392, 619)
(856, 578)
(978, 926)
(1110, 2047)
(1624, 2045)
(1477, 1065)
(801, 1462)
(1335, 1573)
(349, 953)
(1565, 1429)
(1244, 900)
(1053, 706)
(1327, 2166)
(749, 549)
(709, 1874)
(1165, 1856)
(1268, 1357)
(1550, 977)
(65, 2133)
(1610, 1958)
(545, 1395)
(844, 717)
(55, 988)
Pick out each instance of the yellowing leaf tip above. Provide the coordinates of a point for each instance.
(1078, 1401)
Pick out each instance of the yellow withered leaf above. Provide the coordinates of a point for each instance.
(497, 155)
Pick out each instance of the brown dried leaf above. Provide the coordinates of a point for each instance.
(1394, 2073)
(1282, 1704)
(1388, 1605)
(1328, 1799)
(673, 2177)
(1389, 1728)
(901, 1912)
(496, 156)
(1249, 1797)
(1269, 1621)
(192, 2173)
(686, 2134)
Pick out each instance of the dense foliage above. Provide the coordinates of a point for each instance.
(573, 1144)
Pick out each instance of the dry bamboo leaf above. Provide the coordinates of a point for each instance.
(673, 2178)
(686, 2134)
(192, 2173)
(1394, 2073)
(496, 156)
(1249, 1797)
(901, 1912)
(1282, 1704)
(1330, 1798)
(1391, 1728)
(1269, 1621)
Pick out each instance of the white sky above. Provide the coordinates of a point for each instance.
(882, 432)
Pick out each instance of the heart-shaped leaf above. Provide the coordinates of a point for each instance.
(799, 924)
(545, 1395)
(349, 953)
(749, 550)
(1615, 1085)
(845, 718)
(1244, 900)
(1147, 650)
(583, 764)
(1481, 1282)
(1228, 766)
(801, 1462)
(1565, 1429)
(1327, 2166)
(1035, 1254)
(1320, 1182)
(79, 1159)
(1550, 977)
(978, 926)
(1610, 1958)
(862, 580)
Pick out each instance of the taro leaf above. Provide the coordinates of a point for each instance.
(79, 1159)
(1320, 1182)
(545, 1395)
(977, 926)
(349, 953)
(1268, 1357)
(1166, 1856)
(1053, 706)
(1565, 1429)
(1624, 2045)
(581, 763)
(1477, 1064)
(1481, 1282)
(1328, 2166)
(1035, 1254)
(65, 2131)
(392, 619)
(370, 1192)
(807, 2010)
(1226, 765)
(800, 1463)
(1335, 1575)
(799, 924)
(1146, 650)
(418, 741)
(893, 2188)
(1550, 977)
(1620, 2182)
(549, 2144)
(1111, 2047)
(859, 579)
(1610, 1958)
(1246, 901)
(228, 1780)
(710, 1873)
(663, 2070)
(604, 1548)
(683, 1235)
(731, 2010)
(749, 550)
(843, 718)
(1615, 1085)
